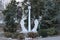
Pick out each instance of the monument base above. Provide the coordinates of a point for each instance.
(28, 31)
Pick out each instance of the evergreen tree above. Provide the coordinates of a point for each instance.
(10, 14)
(49, 13)
(36, 8)
(47, 9)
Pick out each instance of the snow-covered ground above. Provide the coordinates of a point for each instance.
(2, 38)
(48, 38)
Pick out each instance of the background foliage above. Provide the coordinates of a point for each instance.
(10, 14)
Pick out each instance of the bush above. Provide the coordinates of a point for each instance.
(14, 35)
(32, 35)
(21, 36)
(43, 33)
(51, 31)
(8, 34)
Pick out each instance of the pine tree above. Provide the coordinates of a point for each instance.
(36, 8)
(47, 9)
(49, 13)
(10, 14)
